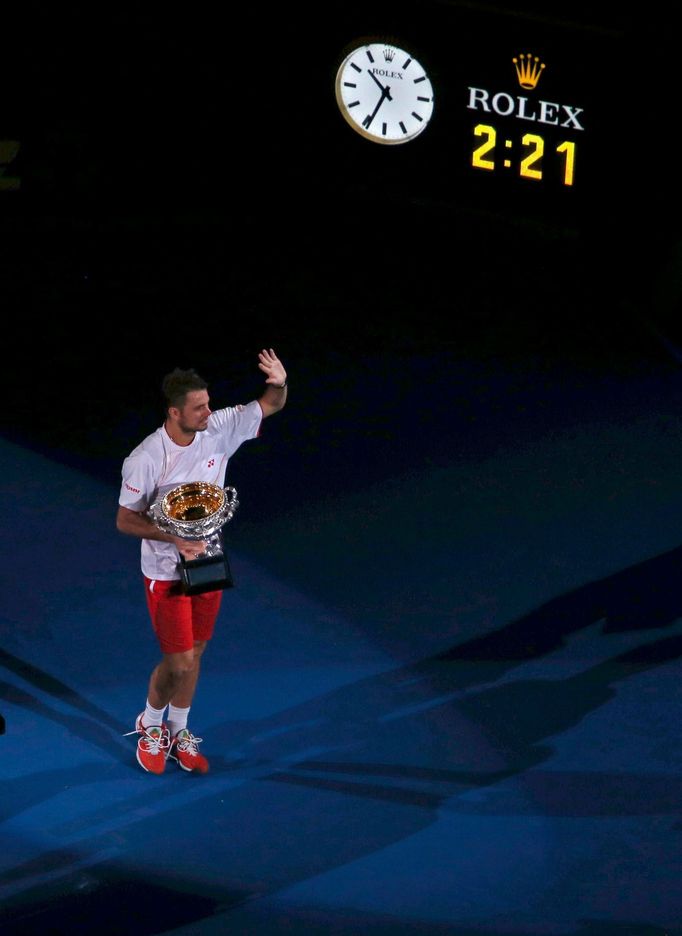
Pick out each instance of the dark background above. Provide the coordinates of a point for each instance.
(457, 549)
(190, 193)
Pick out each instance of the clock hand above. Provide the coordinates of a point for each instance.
(374, 78)
(385, 93)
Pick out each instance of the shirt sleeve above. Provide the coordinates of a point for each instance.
(138, 484)
(237, 424)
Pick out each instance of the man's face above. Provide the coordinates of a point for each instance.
(193, 415)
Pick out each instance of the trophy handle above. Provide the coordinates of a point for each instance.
(232, 501)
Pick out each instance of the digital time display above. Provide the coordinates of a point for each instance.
(518, 133)
(525, 155)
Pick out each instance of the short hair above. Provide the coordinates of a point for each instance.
(178, 384)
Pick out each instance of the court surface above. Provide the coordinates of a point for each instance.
(443, 697)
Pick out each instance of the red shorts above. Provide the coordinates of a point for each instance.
(179, 620)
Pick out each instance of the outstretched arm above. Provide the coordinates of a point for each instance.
(275, 395)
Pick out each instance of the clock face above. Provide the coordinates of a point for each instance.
(384, 93)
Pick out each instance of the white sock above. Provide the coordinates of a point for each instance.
(152, 716)
(177, 719)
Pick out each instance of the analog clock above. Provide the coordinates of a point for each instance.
(384, 93)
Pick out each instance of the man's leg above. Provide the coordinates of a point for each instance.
(175, 678)
(171, 616)
(184, 746)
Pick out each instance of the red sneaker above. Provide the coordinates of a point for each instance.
(184, 751)
(152, 746)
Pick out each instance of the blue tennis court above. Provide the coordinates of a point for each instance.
(442, 698)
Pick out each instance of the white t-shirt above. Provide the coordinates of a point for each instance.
(158, 465)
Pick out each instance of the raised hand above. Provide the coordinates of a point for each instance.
(271, 365)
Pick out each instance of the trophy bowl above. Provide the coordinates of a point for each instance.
(196, 510)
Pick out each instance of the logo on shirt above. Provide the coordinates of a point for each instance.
(211, 463)
(134, 490)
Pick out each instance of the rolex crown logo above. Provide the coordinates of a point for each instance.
(389, 54)
(529, 68)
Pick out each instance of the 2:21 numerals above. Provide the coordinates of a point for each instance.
(483, 156)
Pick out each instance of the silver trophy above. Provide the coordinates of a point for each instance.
(198, 511)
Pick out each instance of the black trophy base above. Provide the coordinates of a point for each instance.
(210, 573)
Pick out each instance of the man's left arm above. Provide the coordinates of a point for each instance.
(275, 395)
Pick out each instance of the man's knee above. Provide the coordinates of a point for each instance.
(179, 664)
